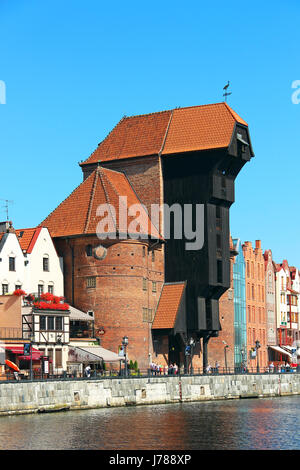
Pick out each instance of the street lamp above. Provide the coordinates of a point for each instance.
(192, 345)
(31, 337)
(257, 346)
(125, 344)
(225, 355)
(243, 359)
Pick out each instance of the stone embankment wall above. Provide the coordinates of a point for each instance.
(54, 395)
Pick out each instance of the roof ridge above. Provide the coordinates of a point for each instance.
(234, 114)
(90, 203)
(34, 238)
(174, 109)
(166, 133)
(101, 174)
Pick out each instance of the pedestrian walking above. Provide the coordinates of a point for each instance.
(87, 371)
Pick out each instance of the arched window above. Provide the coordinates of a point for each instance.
(46, 266)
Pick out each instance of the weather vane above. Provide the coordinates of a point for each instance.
(226, 92)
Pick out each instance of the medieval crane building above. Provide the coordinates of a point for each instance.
(151, 288)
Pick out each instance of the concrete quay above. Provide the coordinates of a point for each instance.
(57, 395)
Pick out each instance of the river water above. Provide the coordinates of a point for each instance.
(261, 424)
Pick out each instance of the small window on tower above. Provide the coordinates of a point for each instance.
(89, 250)
(91, 282)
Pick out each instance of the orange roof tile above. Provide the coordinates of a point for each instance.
(169, 302)
(175, 131)
(27, 238)
(201, 128)
(77, 214)
(133, 136)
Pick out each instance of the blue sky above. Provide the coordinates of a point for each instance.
(72, 69)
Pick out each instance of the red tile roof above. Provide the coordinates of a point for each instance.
(77, 214)
(27, 238)
(179, 130)
(169, 302)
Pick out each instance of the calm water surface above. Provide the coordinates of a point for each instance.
(239, 424)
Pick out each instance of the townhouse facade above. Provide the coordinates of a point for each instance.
(29, 261)
(240, 318)
(270, 299)
(255, 301)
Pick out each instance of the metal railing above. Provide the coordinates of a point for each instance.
(117, 374)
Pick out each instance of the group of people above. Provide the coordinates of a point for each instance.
(216, 369)
(157, 369)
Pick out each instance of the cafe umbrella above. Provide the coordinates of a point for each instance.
(12, 365)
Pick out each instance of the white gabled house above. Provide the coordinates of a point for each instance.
(29, 261)
(12, 267)
(43, 267)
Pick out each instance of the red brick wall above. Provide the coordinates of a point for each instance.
(119, 297)
(255, 301)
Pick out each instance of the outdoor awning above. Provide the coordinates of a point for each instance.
(281, 351)
(78, 315)
(92, 354)
(19, 351)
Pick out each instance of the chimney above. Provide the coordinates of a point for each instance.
(4, 226)
(258, 244)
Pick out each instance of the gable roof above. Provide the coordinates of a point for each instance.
(168, 306)
(167, 132)
(77, 214)
(27, 238)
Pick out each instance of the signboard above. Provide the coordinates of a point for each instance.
(46, 365)
(121, 351)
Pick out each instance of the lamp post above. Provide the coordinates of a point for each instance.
(257, 346)
(243, 360)
(125, 344)
(192, 345)
(225, 355)
(31, 342)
